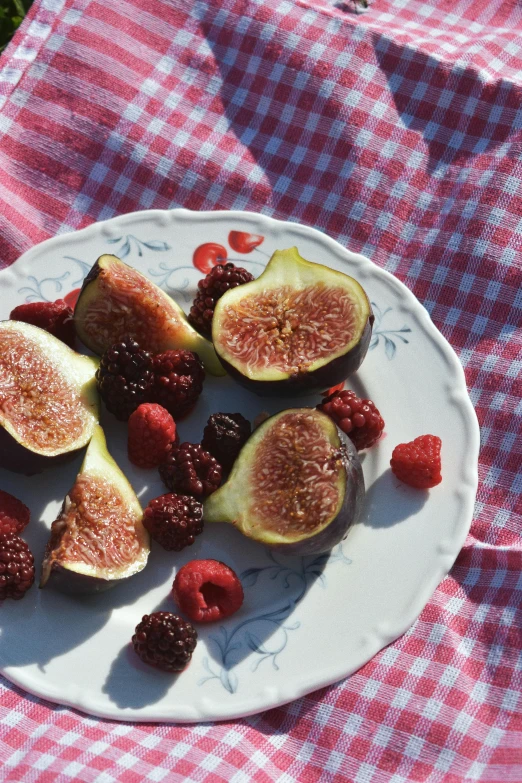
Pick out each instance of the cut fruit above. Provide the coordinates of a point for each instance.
(98, 538)
(117, 300)
(296, 486)
(48, 398)
(299, 328)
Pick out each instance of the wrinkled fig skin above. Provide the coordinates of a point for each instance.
(349, 512)
(323, 378)
(17, 459)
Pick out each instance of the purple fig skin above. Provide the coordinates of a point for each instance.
(348, 514)
(69, 582)
(318, 380)
(19, 459)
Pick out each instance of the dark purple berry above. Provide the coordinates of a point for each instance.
(165, 641)
(16, 567)
(190, 470)
(224, 437)
(124, 377)
(174, 520)
(219, 280)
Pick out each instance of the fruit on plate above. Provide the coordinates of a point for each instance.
(150, 435)
(117, 300)
(418, 463)
(178, 381)
(98, 538)
(124, 378)
(55, 317)
(297, 484)
(174, 520)
(165, 641)
(207, 591)
(14, 515)
(48, 399)
(219, 280)
(190, 470)
(16, 567)
(357, 418)
(224, 436)
(299, 328)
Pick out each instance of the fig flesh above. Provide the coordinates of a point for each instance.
(117, 300)
(48, 398)
(98, 538)
(297, 484)
(299, 328)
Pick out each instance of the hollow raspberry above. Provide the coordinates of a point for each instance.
(55, 317)
(207, 590)
(357, 418)
(220, 279)
(16, 567)
(178, 381)
(124, 377)
(418, 463)
(190, 470)
(14, 515)
(224, 436)
(174, 520)
(151, 434)
(165, 641)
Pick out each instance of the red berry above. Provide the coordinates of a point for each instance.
(207, 590)
(190, 470)
(357, 418)
(418, 463)
(165, 641)
(242, 242)
(218, 281)
(174, 520)
(16, 567)
(208, 255)
(151, 434)
(14, 515)
(178, 381)
(55, 317)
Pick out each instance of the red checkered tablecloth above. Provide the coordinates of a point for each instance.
(397, 131)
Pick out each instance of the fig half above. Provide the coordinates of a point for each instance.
(299, 328)
(48, 398)
(297, 484)
(117, 300)
(98, 538)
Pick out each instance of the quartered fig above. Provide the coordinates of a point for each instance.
(300, 327)
(117, 300)
(297, 484)
(48, 398)
(98, 538)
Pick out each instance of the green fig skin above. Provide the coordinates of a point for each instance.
(231, 502)
(287, 269)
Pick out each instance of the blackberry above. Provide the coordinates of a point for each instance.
(224, 436)
(178, 381)
(220, 279)
(357, 418)
(16, 567)
(190, 470)
(165, 641)
(174, 520)
(124, 377)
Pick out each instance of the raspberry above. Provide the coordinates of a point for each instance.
(418, 463)
(16, 567)
(151, 434)
(165, 641)
(174, 520)
(178, 381)
(207, 590)
(124, 377)
(224, 437)
(212, 288)
(55, 317)
(14, 515)
(189, 470)
(357, 418)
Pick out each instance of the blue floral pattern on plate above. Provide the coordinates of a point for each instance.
(388, 335)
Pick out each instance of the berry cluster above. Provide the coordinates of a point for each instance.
(16, 560)
(219, 280)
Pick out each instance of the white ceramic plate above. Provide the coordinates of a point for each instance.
(306, 622)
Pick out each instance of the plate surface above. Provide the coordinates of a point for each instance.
(306, 622)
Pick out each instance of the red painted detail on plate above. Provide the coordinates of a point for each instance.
(209, 255)
(242, 242)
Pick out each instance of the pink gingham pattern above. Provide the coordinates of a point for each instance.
(398, 132)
